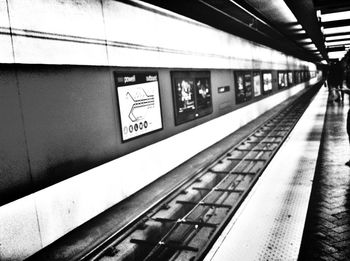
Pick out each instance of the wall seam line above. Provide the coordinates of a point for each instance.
(22, 120)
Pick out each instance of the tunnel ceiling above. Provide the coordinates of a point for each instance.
(293, 27)
(334, 19)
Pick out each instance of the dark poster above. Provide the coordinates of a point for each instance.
(191, 94)
(248, 86)
(239, 87)
(203, 95)
(282, 80)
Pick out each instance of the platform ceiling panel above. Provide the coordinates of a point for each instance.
(335, 23)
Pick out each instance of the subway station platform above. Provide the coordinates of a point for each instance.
(327, 229)
(299, 209)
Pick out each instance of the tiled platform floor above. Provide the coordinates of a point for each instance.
(327, 230)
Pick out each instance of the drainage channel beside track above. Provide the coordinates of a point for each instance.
(185, 224)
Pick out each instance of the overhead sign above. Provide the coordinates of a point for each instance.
(139, 103)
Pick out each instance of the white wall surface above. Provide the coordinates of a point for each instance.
(107, 32)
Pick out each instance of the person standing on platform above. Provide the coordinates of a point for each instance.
(335, 80)
(347, 91)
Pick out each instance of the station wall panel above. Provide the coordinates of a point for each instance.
(15, 176)
(69, 117)
(101, 33)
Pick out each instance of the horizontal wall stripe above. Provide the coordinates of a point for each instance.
(95, 41)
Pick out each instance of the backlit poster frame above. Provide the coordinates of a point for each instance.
(267, 82)
(297, 77)
(257, 84)
(243, 86)
(192, 95)
(290, 78)
(139, 103)
(248, 85)
(282, 79)
(239, 87)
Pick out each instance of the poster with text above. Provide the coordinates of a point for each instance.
(139, 103)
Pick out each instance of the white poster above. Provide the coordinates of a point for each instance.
(139, 104)
(257, 84)
(267, 77)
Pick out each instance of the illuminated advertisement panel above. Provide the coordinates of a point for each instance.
(248, 86)
(282, 80)
(297, 77)
(239, 87)
(290, 78)
(243, 86)
(191, 95)
(285, 75)
(267, 82)
(139, 103)
(257, 83)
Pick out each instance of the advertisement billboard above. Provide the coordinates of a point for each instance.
(267, 82)
(257, 83)
(191, 95)
(290, 78)
(243, 86)
(282, 80)
(248, 86)
(239, 87)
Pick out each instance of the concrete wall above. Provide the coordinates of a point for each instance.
(111, 33)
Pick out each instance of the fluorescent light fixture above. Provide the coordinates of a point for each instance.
(310, 46)
(336, 55)
(337, 37)
(335, 30)
(306, 40)
(318, 13)
(301, 31)
(338, 43)
(335, 16)
(324, 62)
(297, 27)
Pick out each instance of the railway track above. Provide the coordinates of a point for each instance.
(186, 223)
